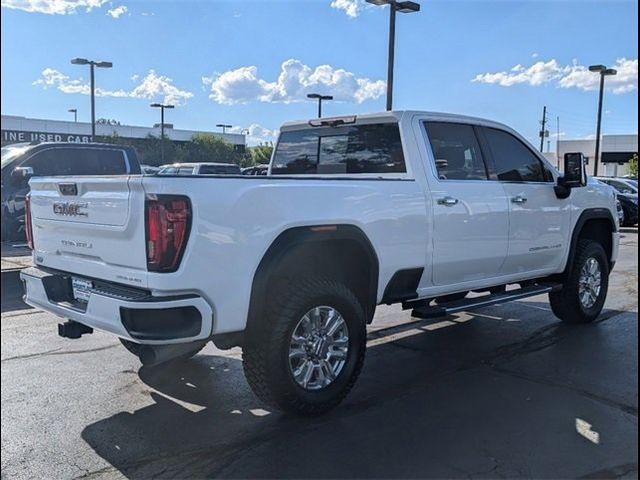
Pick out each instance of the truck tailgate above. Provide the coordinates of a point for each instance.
(91, 226)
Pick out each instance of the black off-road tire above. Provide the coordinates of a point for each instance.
(266, 348)
(565, 303)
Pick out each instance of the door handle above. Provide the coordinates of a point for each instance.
(519, 200)
(448, 201)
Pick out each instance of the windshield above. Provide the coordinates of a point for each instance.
(11, 152)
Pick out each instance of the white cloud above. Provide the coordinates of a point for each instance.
(155, 86)
(53, 7)
(151, 86)
(536, 74)
(535, 55)
(294, 82)
(256, 134)
(352, 8)
(568, 76)
(625, 81)
(118, 11)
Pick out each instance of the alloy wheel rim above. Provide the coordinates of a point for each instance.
(590, 283)
(318, 348)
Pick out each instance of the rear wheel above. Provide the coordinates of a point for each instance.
(585, 290)
(306, 355)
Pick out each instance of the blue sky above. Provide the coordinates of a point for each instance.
(252, 62)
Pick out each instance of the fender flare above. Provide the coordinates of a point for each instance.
(585, 216)
(288, 240)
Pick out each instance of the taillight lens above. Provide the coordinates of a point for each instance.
(168, 219)
(28, 228)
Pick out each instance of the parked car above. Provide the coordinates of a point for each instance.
(149, 169)
(627, 193)
(620, 212)
(20, 162)
(395, 207)
(256, 170)
(200, 169)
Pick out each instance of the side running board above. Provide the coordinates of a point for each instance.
(428, 311)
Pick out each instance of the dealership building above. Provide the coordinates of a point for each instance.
(615, 153)
(21, 129)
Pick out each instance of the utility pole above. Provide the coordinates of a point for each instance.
(603, 71)
(320, 98)
(543, 132)
(394, 6)
(558, 141)
(161, 106)
(92, 64)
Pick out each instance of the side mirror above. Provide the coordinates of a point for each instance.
(575, 172)
(22, 173)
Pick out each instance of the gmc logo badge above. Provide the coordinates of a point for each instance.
(70, 209)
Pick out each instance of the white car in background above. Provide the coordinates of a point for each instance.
(201, 168)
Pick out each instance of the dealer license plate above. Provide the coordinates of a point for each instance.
(81, 289)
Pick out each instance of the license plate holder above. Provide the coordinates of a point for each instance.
(81, 289)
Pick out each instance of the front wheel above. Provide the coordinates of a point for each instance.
(307, 353)
(585, 290)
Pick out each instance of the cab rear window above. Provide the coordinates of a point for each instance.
(340, 150)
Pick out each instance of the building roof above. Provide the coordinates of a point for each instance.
(24, 124)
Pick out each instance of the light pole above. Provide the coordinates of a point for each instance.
(394, 6)
(92, 64)
(603, 71)
(224, 127)
(75, 114)
(161, 106)
(320, 98)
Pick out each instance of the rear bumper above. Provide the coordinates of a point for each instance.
(129, 313)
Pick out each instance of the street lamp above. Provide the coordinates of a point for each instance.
(92, 64)
(161, 106)
(394, 6)
(75, 114)
(604, 72)
(320, 98)
(224, 127)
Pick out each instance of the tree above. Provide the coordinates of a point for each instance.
(633, 166)
(207, 147)
(261, 154)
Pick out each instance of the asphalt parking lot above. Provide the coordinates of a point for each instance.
(507, 391)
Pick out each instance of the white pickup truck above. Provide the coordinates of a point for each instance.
(399, 207)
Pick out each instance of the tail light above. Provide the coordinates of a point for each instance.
(168, 220)
(28, 228)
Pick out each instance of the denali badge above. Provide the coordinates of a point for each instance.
(70, 209)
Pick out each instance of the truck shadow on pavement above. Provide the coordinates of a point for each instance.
(497, 393)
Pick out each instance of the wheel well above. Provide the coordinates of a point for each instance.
(340, 252)
(599, 230)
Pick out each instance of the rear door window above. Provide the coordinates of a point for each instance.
(353, 149)
(514, 161)
(456, 151)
